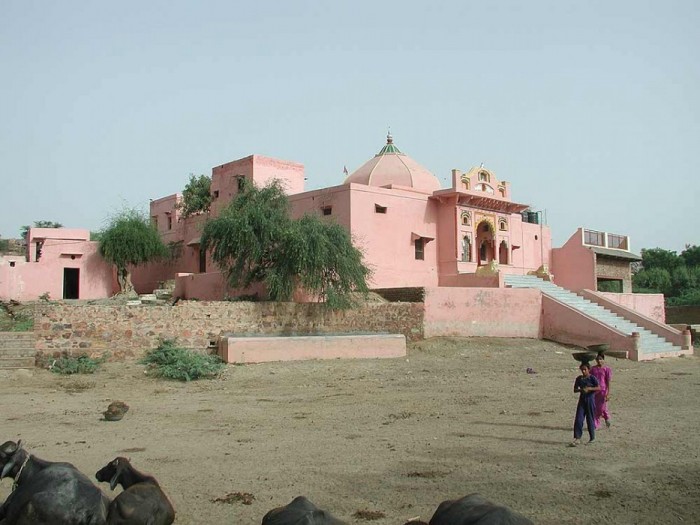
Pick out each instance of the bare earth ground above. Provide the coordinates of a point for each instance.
(394, 436)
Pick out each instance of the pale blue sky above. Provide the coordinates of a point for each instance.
(590, 109)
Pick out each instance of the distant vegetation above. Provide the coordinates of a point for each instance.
(39, 224)
(172, 362)
(676, 276)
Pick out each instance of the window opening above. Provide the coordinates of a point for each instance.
(327, 210)
(466, 218)
(240, 180)
(503, 253)
(503, 225)
(202, 260)
(420, 249)
(466, 249)
(170, 222)
(379, 209)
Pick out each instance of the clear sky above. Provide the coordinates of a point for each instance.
(590, 109)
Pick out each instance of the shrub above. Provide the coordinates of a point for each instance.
(22, 324)
(172, 362)
(80, 364)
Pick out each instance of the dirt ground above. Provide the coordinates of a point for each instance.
(389, 438)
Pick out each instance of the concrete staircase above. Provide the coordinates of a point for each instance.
(17, 350)
(649, 343)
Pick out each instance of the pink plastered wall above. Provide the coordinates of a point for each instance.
(482, 312)
(386, 239)
(573, 265)
(255, 168)
(650, 305)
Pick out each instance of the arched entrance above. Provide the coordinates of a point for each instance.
(485, 242)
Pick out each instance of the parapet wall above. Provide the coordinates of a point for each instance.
(127, 331)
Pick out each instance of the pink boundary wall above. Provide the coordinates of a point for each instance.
(296, 348)
(672, 335)
(650, 305)
(482, 312)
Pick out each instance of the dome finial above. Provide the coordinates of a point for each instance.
(389, 138)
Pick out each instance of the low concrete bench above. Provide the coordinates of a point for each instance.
(263, 349)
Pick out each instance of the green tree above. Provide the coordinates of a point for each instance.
(660, 258)
(130, 239)
(254, 240)
(38, 224)
(656, 280)
(196, 197)
(691, 255)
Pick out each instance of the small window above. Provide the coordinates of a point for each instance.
(484, 176)
(466, 218)
(465, 182)
(170, 222)
(240, 180)
(503, 225)
(12, 264)
(154, 221)
(420, 249)
(327, 210)
(216, 194)
(502, 191)
(379, 209)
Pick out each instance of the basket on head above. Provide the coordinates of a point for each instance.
(584, 357)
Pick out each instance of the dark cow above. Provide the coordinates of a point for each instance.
(300, 512)
(47, 493)
(475, 510)
(142, 502)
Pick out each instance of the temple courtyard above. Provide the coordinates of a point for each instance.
(382, 441)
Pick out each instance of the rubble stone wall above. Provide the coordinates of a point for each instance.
(128, 331)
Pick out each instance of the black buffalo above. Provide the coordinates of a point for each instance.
(47, 493)
(300, 512)
(475, 510)
(142, 502)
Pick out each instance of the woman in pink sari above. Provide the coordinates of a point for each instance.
(603, 374)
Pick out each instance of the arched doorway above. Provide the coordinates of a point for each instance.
(485, 235)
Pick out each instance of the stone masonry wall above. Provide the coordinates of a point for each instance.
(128, 331)
(615, 269)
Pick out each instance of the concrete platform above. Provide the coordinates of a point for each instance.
(237, 349)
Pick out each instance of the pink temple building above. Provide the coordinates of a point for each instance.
(412, 232)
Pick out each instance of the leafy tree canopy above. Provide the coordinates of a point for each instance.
(196, 197)
(676, 276)
(130, 239)
(38, 224)
(691, 255)
(255, 240)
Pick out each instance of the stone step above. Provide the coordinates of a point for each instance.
(16, 336)
(17, 352)
(17, 362)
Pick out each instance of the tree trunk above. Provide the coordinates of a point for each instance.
(126, 287)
